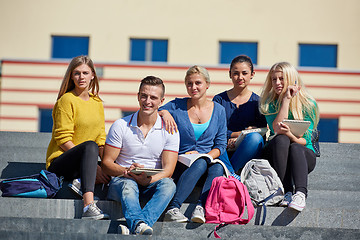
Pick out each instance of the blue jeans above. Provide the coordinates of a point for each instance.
(249, 148)
(191, 176)
(128, 192)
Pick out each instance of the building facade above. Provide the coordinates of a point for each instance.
(129, 40)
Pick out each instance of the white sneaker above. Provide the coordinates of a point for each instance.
(174, 215)
(143, 229)
(298, 201)
(93, 212)
(75, 185)
(287, 200)
(198, 214)
(123, 230)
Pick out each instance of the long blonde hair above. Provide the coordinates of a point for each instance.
(68, 84)
(301, 103)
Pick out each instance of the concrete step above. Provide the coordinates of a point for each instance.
(79, 229)
(335, 174)
(326, 209)
(23, 154)
(37, 139)
(342, 181)
(24, 139)
(333, 153)
(324, 177)
(59, 225)
(31, 147)
(336, 154)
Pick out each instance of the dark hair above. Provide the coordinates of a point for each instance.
(153, 81)
(241, 59)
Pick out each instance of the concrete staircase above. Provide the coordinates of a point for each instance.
(332, 210)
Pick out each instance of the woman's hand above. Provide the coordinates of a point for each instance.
(283, 113)
(292, 91)
(231, 143)
(192, 152)
(101, 177)
(282, 128)
(170, 124)
(67, 146)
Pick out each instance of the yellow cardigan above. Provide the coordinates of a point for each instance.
(76, 120)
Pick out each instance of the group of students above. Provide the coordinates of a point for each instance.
(156, 135)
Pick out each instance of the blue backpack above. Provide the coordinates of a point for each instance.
(42, 185)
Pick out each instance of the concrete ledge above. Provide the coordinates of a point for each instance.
(328, 214)
(72, 229)
(24, 139)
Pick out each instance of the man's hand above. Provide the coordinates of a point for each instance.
(141, 179)
(135, 165)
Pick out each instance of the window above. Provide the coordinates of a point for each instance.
(150, 50)
(69, 47)
(329, 130)
(317, 55)
(46, 121)
(229, 50)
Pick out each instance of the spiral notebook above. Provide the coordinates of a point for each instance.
(297, 127)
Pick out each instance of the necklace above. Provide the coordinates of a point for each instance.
(199, 120)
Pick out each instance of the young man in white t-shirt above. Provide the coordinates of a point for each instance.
(141, 140)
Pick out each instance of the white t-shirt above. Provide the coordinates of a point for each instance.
(127, 136)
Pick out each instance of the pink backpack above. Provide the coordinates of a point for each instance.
(226, 203)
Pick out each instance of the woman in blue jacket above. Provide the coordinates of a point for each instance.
(242, 112)
(202, 127)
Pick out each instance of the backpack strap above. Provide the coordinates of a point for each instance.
(262, 203)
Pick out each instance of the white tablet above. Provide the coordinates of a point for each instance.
(297, 127)
(148, 171)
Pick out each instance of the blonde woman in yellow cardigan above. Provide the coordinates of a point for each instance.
(78, 134)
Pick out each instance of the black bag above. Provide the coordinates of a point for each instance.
(315, 141)
(42, 185)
